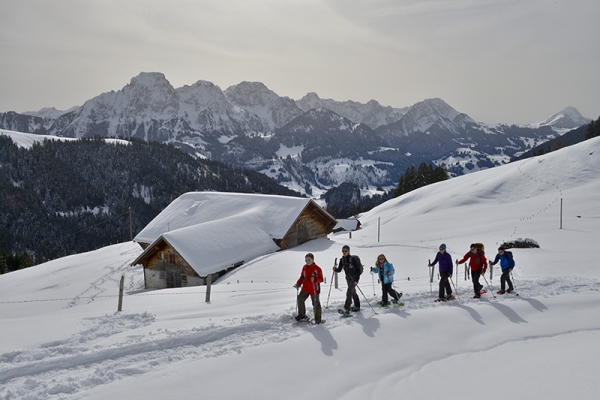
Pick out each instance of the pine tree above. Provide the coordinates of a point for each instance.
(593, 129)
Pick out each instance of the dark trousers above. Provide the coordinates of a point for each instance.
(302, 296)
(386, 288)
(445, 284)
(476, 285)
(504, 279)
(351, 296)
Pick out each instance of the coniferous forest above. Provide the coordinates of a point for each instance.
(60, 198)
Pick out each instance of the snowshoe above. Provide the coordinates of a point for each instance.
(354, 309)
(397, 303)
(345, 313)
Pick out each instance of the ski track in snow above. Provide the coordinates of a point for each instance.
(96, 356)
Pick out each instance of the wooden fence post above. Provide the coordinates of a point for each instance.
(121, 293)
(208, 284)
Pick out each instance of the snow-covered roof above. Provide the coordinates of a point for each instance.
(213, 230)
(273, 214)
(349, 225)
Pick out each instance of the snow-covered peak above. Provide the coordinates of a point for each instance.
(309, 101)
(568, 118)
(250, 94)
(371, 114)
(203, 95)
(435, 107)
(254, 97)
(50, 112)
(150, 92)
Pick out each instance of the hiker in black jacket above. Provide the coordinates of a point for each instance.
(353, 268)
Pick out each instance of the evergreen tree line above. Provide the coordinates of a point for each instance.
(345, 200)
(59, 198)
(424, 175)
(593, 129)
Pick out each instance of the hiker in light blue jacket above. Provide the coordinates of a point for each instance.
(385, 270)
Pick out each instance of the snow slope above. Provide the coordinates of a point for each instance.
(61, 336)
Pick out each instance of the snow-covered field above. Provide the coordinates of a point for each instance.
(62, 338)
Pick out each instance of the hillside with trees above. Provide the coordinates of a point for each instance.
(60, 198)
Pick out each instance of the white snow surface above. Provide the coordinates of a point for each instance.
(62, 338)
(27, 140)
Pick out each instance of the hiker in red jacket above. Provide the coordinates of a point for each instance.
(478, 264)
(310, 279)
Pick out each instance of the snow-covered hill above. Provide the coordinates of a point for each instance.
(61, 337)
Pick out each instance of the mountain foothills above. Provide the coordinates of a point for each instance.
(309, 145)
(65, 197)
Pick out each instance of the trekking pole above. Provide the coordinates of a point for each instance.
(297, 291)
(513, 282)
(373, 280)
(455, 289)
(331, 283)
(486, 281)
(430, 276)
(314, 299)
(361, 292)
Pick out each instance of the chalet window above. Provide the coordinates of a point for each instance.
(183, 278)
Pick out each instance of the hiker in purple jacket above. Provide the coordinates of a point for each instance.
(446, 269)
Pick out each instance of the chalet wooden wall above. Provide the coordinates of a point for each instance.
(164, 268)
(311, 224)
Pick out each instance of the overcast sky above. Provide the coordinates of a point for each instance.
(509, 61)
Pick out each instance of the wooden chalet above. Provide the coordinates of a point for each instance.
(202, 234)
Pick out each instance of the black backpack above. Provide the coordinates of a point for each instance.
(361, 268)
(510, 258)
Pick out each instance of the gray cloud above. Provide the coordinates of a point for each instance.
(498, 61)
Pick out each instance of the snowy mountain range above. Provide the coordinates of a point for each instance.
(309, 145)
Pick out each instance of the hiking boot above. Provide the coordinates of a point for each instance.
(510, 290)
(501, 292)
(441, 299)
(397, 302)
(399, 295)
(319, 321)
(449, 296)
(301, 318)
(477, 296)
(381, 304)
(355, 309)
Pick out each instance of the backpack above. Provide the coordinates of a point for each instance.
(361, 267)
(480, 246)
(511, 260)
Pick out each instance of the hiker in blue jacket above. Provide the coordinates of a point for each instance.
(386, 271)
(507, 264)
(446, 269)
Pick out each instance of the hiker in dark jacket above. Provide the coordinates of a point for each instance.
(506, 264)
(446, 269)
(478, 264)
(352, 268)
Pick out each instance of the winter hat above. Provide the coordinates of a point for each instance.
(346, 247)
(443, 246)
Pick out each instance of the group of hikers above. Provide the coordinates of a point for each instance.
(308, 285)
